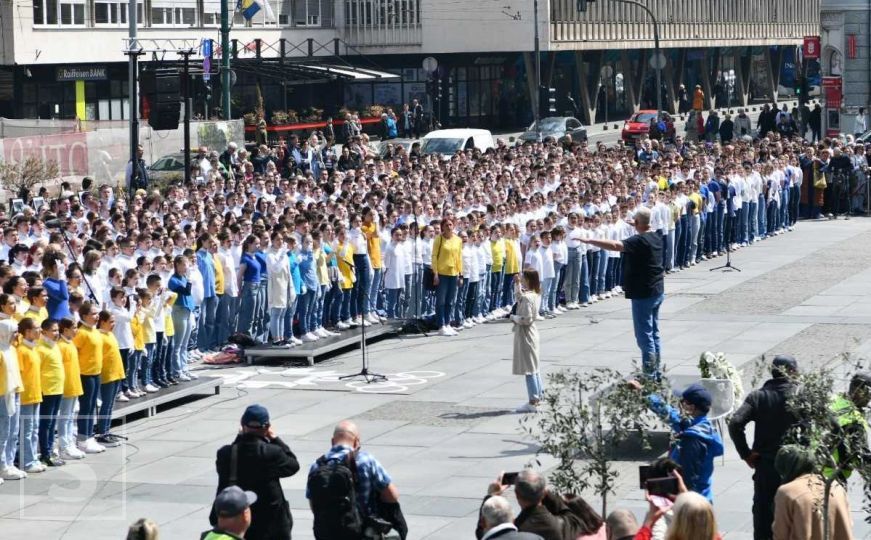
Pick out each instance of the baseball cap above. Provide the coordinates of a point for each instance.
(232, 501)
(863, 377)
(255, 416)
(786, 361)
(698, 395)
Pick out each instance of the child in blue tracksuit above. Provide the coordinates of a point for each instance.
(698, 443)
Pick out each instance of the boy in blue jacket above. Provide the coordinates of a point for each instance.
(698, 443)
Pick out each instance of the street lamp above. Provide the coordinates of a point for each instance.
(657, 55)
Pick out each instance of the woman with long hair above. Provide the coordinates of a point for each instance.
(277, 288)
(447, 268)
(693, 517)
(527, 291)
(54, 272)
(181, 317)
(248, 278)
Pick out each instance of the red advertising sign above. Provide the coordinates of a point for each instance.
(852, 47)
(832, 87)
(69, 150)
(811, 48)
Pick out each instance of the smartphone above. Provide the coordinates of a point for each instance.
(643, 475)
(509, 478)
(662, 486)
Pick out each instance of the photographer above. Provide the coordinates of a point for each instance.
(346, 473)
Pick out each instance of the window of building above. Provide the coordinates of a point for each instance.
(173, 13)
(59, 12)
(114, 13)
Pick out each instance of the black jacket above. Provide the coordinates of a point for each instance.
(260, 465)
(767, 408)
(540, 521)
(509, 534)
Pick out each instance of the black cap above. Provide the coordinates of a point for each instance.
(232, 501)
(863, 377)
(785, 362)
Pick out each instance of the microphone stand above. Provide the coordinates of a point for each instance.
(728, 267)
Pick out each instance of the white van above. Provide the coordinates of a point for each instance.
(447, 141)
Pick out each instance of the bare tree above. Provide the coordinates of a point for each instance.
(23, 175)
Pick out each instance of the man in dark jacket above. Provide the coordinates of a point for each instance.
(256, 461)
(727, 130)
(767, 408)
(498, 518)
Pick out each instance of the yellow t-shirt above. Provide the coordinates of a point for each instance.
(51, 368)
(373, 242)
(321, 266)
(72, 380)
(37, 315)
(168, 328)
(28, 363)
(345, 258)
(138, 330)
(89, 345)
(497, 248)
(511, 266)
(219, 275)
(447, 256)
(113, 366)
(697, 201)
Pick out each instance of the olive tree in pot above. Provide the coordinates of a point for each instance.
(587, 422)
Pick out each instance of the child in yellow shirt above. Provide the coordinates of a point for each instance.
(31, 397)
(89, 347)
(110, 379)
(11, 387)
(51, 368)
(72, 391)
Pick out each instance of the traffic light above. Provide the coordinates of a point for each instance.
(161, 97)
(547, 97)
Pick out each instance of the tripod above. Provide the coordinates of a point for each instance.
(364, 371)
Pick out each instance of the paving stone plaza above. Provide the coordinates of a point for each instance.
(442, 425)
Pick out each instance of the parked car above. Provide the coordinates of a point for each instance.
(638, 125)
(169, 168)
(448, 141)
(556, 127)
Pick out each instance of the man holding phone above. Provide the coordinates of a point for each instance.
(698, 443)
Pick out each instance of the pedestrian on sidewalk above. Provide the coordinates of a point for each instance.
(766, 407)
(527, 291)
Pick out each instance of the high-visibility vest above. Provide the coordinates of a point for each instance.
(846, 414)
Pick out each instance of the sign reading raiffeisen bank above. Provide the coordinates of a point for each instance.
(82, 74)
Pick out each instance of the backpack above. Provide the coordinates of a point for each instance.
(333, 494)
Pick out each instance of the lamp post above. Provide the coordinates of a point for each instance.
(536, 95)
(656, 53)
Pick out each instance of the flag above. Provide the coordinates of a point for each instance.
(248, 8)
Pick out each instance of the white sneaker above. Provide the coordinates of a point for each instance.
(296, 341)
(585, 304)
(526, 408)
(366, 323)
(355, 322)
(444, 331)
(12, 473)
(184, 377)
(150, 389)
(342, 325)
(373, 318)
(594, 299)
(468, 324)
(309, 337)
(122, 397)
(608, 294)
(35, 467)
(192, 375)
(71, 452)
(322, 333)
(451, 331)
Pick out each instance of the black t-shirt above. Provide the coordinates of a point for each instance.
(642, 271)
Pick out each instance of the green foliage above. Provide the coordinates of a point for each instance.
(584, 419)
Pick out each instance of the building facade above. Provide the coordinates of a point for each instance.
(64, 58)
(845, 31)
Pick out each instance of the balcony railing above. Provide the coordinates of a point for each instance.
(370, 23)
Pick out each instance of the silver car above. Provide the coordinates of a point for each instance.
(556, 127)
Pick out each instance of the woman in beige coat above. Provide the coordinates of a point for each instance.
(527, 291)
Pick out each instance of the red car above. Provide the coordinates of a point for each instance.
(639, 125)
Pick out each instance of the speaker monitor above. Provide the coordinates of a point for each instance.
(164, 115)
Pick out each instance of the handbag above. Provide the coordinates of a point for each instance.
(819, 179)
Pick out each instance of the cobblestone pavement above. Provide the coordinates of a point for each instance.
(442, 425)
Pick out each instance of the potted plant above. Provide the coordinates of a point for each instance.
(278, 118)
(250, 118)
(292, 116)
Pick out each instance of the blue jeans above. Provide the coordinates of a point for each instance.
(585, 280)
(222, 319)
(131, 369)
(248, 300)
(108, 392)
(374, 289)
(593, 265)
(48, 413)
(547, 286)
(471, 298)
(680, 236)
(9, 430)
(181, 323)
(710, 232)
(88, 406)
(167, 356)
(533, 386)
(29, 435)
(261, 327)
(496, 279)
(360, 304)
(206, 338)
(695, 224)
(507, 290)
(66, 423)
(306, 304)
(332, 299)
(392, 302)
(762, 229)
(752, 221)
(602, 266)
(572, 284)
(289, 314)
(645, 320)
(345, 304)
(446, 294)
(459, 311)
(276, 323)
(719, 245)
(318, 313)
(146, 363)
